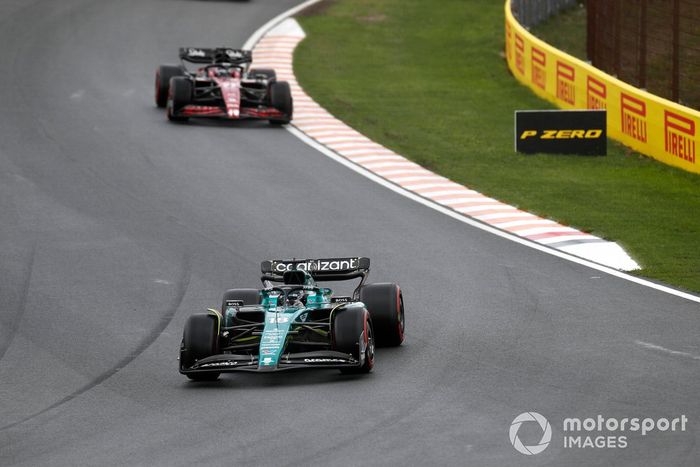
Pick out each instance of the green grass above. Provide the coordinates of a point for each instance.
(432, 84)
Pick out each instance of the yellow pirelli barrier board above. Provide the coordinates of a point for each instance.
(647, 123)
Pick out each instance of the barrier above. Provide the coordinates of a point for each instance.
(646, 123)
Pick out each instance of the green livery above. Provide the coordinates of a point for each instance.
(292, 322)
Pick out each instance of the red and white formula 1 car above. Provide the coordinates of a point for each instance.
(223, 87)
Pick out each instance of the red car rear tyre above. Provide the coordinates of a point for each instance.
(163, 75)
(179, 96)
(281, 99)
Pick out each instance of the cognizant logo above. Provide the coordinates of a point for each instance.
(546, 433)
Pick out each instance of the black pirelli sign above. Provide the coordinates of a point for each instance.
(561, 132)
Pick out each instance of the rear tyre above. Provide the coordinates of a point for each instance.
(179, 96)
(281, 99)
(384, 302)
(268, 73)
(163, 75)
(353, 334)
(247, 296)
(200, 339)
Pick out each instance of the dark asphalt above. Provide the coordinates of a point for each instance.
(115, 225)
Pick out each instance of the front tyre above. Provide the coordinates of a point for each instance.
(353, 334)
(385, 304)
(200, 339)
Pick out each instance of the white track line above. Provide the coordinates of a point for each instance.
(675, 353)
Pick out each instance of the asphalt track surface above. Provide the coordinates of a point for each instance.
(115, 225)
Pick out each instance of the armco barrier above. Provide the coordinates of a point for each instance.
(647, 123)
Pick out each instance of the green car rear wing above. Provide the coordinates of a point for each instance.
(327, 269)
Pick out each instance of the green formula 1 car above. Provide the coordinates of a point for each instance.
(292, 322)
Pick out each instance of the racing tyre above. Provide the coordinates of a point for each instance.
(179, 95)
(352, 334)
(163, 75)
(247, 296)
(281, 99)
(268, 73)
(384, 302)
(200, 339)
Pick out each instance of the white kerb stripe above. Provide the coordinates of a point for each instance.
(534, 221)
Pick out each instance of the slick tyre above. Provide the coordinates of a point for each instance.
(281, 99)
(353, 334)
(179, 95)
(384, 302)
(200, 339)
(268, 73)
(163, 75)
(247, 296)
